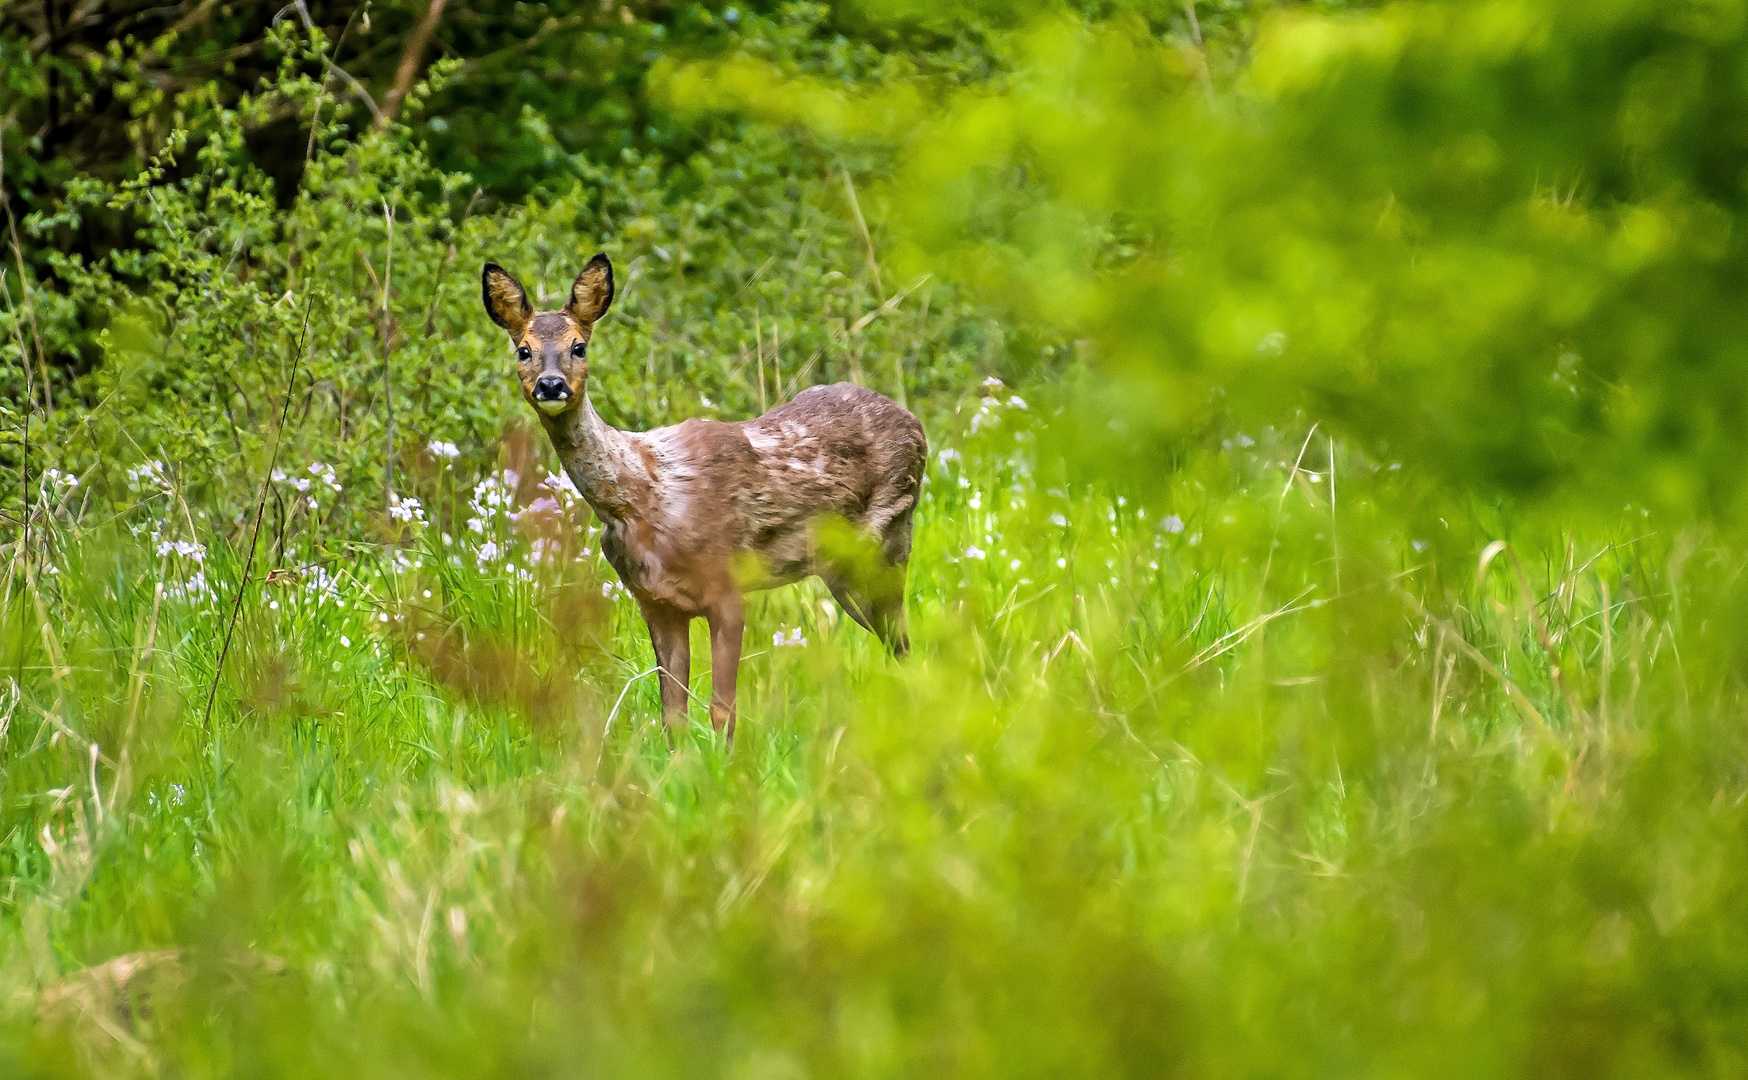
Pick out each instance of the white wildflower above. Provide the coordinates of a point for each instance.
(542, 550)
(538, 507)
(321, 584)
(186, 549)
(794, 638)
(493, 493)
(296, 482)
(1171, 523)
(986, 414)
(325, 473)
(1017, 402)
(445, 450)
(405, 508)
(560, 484)
(1059, 521)
(974, 553)
(148, 474)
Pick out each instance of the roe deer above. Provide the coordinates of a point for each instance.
(697, 514)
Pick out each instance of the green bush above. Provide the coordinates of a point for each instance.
(1326, 602)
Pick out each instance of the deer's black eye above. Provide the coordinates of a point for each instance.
(578, 350)
(523, 353)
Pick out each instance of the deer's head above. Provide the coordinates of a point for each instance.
(552, 347)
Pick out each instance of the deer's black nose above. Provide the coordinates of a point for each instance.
(551, 388)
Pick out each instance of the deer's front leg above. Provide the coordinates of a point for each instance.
(728, 623)
(668, 632)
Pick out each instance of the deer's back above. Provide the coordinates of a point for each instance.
(838, 446)
(758, 485)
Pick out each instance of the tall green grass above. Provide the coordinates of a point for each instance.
(1217, 773)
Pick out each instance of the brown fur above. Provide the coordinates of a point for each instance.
(697, 514)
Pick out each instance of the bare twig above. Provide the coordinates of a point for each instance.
(260, 512)
(26, 301)
(1201, 47)
(1537, 625)
(388, 393)
(417, 43)
(316, 118)
(1280, 505)
(333, 68)
(448, 261)
(1513, 692)
(24, 470)
(862, 323)
(1334, 535)
(614, 712)
(867, 239)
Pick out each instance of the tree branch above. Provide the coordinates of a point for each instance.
(408, 70)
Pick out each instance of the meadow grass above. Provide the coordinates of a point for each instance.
(1221, 772)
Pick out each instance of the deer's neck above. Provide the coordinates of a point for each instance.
(600, 460)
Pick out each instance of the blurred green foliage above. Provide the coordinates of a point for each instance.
(1327, 598)
(1502, 243)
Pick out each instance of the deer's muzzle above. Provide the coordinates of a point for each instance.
(551, 393)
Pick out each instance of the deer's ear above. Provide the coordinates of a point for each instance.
(592, 292)
(506, 300)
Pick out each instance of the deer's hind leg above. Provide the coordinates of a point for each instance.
(728, 623)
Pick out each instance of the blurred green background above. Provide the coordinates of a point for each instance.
(1328, 583)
